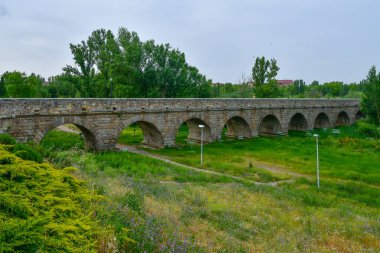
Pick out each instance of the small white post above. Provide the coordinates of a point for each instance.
(316, 138)
(201, 127)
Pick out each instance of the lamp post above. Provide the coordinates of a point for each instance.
(316, 139)
(201, 127)
(111, 88)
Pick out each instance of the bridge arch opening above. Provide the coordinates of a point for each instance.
(237, 127)
(322, 121)
(359, 115)
(68, 136)
(298, 123)
(270, 125)
(342, 119)
(141, 132)
(189, 131)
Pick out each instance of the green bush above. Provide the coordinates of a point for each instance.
(43, 209)
(27, 153)
(7, 139)
(368, 129)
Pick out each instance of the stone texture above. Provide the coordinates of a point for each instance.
(102, 120)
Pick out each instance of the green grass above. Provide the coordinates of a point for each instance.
(341, 157)
(172, 209)
(131, 135)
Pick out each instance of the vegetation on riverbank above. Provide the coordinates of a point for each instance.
(168, 208)
(42, 208)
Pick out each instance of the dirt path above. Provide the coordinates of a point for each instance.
(135, 150)
(64, 128)
(276, 169)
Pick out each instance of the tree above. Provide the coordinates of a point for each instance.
(264, 73)
(2, 86)
(18, 85)
(370, 102)
(84, 58)
(264, 70)
(135, 68)
(314, 83)
(298, 87)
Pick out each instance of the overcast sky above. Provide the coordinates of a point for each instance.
(324, 40)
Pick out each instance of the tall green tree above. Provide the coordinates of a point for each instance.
(264, 73)
(2, 87)
(371, 95)
(84, 58)
(127, 67)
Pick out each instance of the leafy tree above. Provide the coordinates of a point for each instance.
(264, 73)
(264, 70)
(314, 83)
(297, 88)
(371, 95)
(133, 68)
(331, 89)
(269, 90)
(63, 86)
(18, 85)
(2, 87)
(84, 58)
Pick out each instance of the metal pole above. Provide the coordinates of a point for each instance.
(201, 146)
(317, 163)
(111, 88)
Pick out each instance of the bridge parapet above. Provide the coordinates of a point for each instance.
(23, 107)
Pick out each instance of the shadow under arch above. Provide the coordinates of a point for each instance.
(343, 119)
(270, 125)
(195, 131)
(322, 121)
(150, 133)
(359, 115)
(298, 123)
(238, 127)
(90, 142)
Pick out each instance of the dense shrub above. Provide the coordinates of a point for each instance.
(43, 209)
(369, 130)
(7, 139)
(27, 153)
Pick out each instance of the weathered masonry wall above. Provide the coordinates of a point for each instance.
(102, 120)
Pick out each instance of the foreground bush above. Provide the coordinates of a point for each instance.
(7, 139)
(43, 209)
(27, 153)
(369, 130)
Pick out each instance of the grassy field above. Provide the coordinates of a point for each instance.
(341, 157)
(172, 209)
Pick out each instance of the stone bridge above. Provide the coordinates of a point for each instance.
(102, 120)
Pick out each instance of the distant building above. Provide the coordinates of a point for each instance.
(284, 82)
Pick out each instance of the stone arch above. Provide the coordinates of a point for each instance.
(152, 135)
(195, 131)
(322, 121)
(238, 127)
(89, 137)
(270, 125)
(342, 119)
(298, 122)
